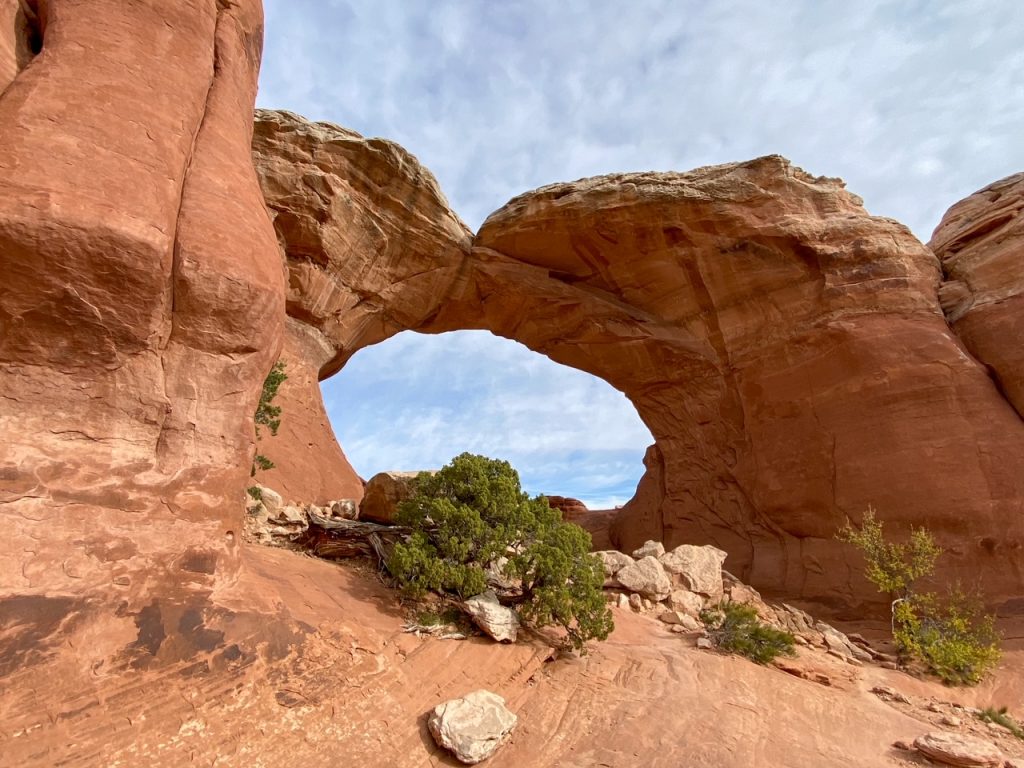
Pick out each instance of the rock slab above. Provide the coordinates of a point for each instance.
(957, 749)
(699, 569)
(472, 727)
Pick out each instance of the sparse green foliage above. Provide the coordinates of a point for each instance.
(1001, 717)
(471, 518)
(892, 567)
(953, 638)
(267, 414)
(735, 627)
(255, 492)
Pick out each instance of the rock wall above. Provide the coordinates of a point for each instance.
(141, 306)
(979, 242)
(786, 349)
(309, 464)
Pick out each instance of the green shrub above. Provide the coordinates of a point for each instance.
(1001, 717)
(267, 414)
(953, 638)
(471, 518)
(735, 627)
(892, 567)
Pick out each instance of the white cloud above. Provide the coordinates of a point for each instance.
(566, 432)
(915, 104)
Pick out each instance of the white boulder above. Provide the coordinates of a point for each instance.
(495, 619)
(647, 577)
(698, 569)
(472, 727)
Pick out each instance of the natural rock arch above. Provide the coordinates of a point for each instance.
(786, 349)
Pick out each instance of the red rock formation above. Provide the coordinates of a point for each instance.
(572, 509)
(788, 354)
(141, 306)
(361, 223)
(979, 243)
(309, 463)
(786, 349)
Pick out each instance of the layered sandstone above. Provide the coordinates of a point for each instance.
(140, 308)
(309, 464)
(362, 223)
(980, 242)
(789, 355)
(786, 349)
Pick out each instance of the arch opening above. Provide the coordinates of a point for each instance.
(416, 400)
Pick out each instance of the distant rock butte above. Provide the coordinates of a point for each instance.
(786, 349)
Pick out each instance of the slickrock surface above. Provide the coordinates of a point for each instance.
(313, 668)
(980, 242)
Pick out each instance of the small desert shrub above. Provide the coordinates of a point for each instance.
(892, 567)
(1000, 716)
(267, 414)
(471, 518)
(735, 627)
(954, 638)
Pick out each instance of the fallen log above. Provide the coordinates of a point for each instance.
(335, 539)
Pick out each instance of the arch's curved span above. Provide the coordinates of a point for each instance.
(786, 349)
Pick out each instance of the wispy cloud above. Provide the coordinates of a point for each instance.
(416, 401)
(916, 104)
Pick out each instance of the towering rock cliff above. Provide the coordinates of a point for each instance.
(141, 305)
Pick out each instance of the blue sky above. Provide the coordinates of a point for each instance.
(915, 103)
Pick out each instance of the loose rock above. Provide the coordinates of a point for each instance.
(646, 576)
(613, 561)
(472, 727)
(699, 569)
(649, 549)
(384, 492)
(957, 749)
(685, 601)
(495, 619)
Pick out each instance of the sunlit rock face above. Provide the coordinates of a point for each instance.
(786, 349)
(372, 247)
(143, 293)
(980, 243)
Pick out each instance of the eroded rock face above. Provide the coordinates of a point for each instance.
(363, 226)
(309, 465)
(788, 354)
(786, 349)
(980, 242)
(141, 303)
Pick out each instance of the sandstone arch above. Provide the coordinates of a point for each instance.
(786, 349)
